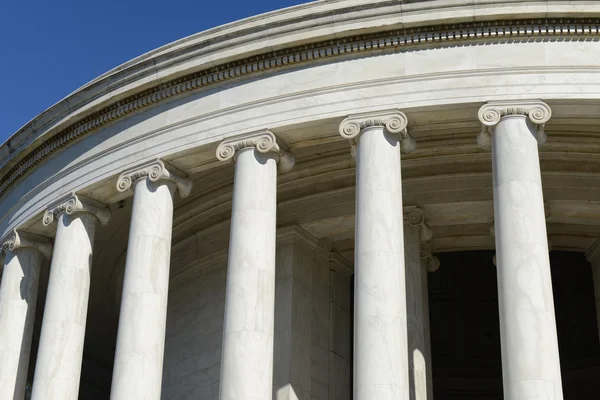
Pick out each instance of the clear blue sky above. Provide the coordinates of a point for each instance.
(49, 48)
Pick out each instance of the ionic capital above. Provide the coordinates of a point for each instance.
(415, 216)
(431, 261)
(264, 141)
(75, 203)
(394, 121)
(18, 239)
(155, 170)
(593, 253)
(491, 113)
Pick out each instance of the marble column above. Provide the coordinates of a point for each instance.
(593, 256)
(138, 365)
(419, 261)
(380, 326)
(530, 358)
(247, 353)
(60, 352)
(18, 295)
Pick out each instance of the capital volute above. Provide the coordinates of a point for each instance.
(19, 239)
(155, 170)
(491, 113)
(415, 216)
(264, 141)
(432, 262)
(593, 253)
(75, 203)
(394, 121)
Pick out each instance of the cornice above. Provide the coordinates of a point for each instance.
(264, 141)
(396, 40)
(75, 203)
(491, 113)
(19, 239)
(155, 170)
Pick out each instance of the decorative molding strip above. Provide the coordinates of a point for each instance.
(491, 113)
(394, 121)
(415, 216)
(290, 235)
(19, 239)
(427, 256)
(155, 170)
(75, 203)
(391, 41)
(341, 262)
(264, 141)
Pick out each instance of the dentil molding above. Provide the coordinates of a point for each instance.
(19, 239)
(491, 113)
(75, 203)
(394, 121)
(388, 41)
(264, 141)
(155, 170)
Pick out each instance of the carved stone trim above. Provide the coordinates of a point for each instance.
(19, 239)
(394, 121)
(75, 203)
(264, 141)
(432, 262)
(155, 170)
(593, 253)
(491, 113)
(391, 41)
(415, 216)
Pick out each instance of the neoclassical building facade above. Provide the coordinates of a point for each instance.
(346, 199)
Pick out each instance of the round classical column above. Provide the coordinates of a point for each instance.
(593, 256)
(380, 326)
(58, 366)
(530, 358)
(247, 353)
(138, 365)
(419, 261)
(18, 295)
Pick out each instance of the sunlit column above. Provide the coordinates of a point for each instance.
(138, 366)
(530, 358)
(18, 295)
(380, 326)
(60, 353)
(247, 354)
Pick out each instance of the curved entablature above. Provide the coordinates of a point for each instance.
(190, 65)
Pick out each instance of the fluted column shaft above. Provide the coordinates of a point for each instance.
(380, 326)
(58, 366)
(18, 296)
(530, 358)
(417, 304)
(139, 354)
(248, 330)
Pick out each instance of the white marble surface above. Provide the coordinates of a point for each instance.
(18, 296)
(60, 352)
(247, 360)
(138, 366)
(380, 342)
(417, 312)
(530, 358)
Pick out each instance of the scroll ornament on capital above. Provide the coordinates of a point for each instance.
(415, 216)
(432, 262)
(491, 113)
(394, 121)
(155, 170)
(19, 239)
(264, 141)
(75, 203)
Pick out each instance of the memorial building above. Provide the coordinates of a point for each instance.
(341, 200)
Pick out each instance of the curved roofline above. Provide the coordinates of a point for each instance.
(296, 25)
